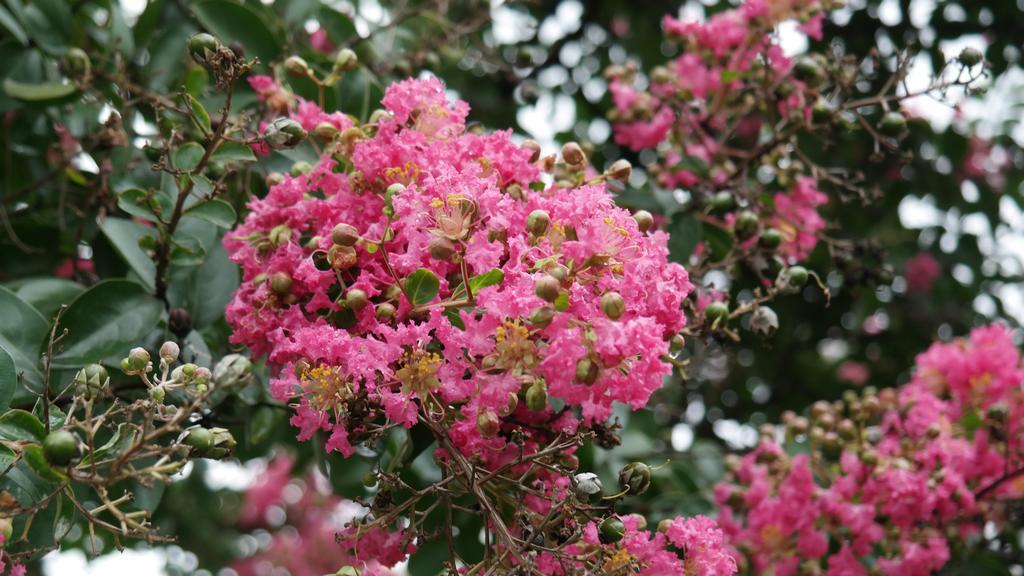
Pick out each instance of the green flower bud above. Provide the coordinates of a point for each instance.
(487, 423)
(345, 60)
(284, 133)
(613, 305)
(188, 370)
(385, 312)
(356, 299)
(325, 132)
(537, 396)
(537, 222)
(676, 343)
(199, 439)
(59, 447)
(202, 47)
(138, 359)
(233, 371)
(644, 220)
(746, 224)
(716, 312)
(587, 371)
(223, 444)
(542, 316)
(612, 530)
(281, 283)
(90, 378)
(892, 124)
(76, 64)
(635, 477)
(970, 56)
(770, 238)
(202, 376)
(822, 111)
(441, 248)
(722, 202)
(296, 66)
(279, 235)
(795, 276)
(547, 288)
(157, 394)
(809, 71)
(126, 366)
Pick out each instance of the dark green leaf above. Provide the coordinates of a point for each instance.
(11, 24)
(200, 116)
(146, 206)
(684, 234)
(187, 157)
(125, 236)
(22, 331)
(216, 212)
(339, 27)
(421, 287)
(492, 277)
(46, 294)
(33, 454)
(233, 152)
(45, 93)
(8, 378)
(719, 240)
(21, 425)
(109, 318)
(235, 22)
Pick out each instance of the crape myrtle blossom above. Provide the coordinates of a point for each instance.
(699, 108)
(420, 273)
(894, 480)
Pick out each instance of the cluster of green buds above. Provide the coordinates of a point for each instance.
(832, 427)
(189, 377)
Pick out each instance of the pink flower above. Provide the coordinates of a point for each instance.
(921, 272)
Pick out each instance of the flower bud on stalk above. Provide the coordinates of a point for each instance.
(91, 379)
(537, 396)
(345, 235)
(644, 220)
(296, 66)
(573, 154)
(542, 317)
(635, 477)
(613, 305)
(345, 61)
(547, 288)
(283, 133)
(612, 530)
(441, 248)
(233, 371)
(487, 423)
(587, 371)
(587, 485)
(537, 222)
(325, 132)
(620, 170)
(169, 352)
(203, 47)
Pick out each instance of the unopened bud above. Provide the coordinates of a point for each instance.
(157, 394)
(233, 371)
(620, 170)
(346, 60)
(970, 56)
(635, 477)
(612, 530)
(91, 378)
(223, 444)
(138, 359)
(344, 235)
(384, 312)
(892, 124)
(281, 283)
(283, 133)
(202, 47)
(795, 276)
(356, 299)
(587, 371)
(573, 154)
(537, 396)
(441, 248)
(273, 179)
(746, 224)
(547, 288)
(76, 64)
(587, 485)
(613, 305)
(325, 132)
(279, 235)
(542, 316)
(169, 352)
(716, 312)
(487, 423)
(534, 149)
(296, 66)
(644, 220)
(537, 222)
(770, 238)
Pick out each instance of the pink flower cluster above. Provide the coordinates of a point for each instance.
(931, 463)
(303, 541)
(697, 110)
(430, 200)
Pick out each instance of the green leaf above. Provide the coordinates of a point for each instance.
(8, 378)
(187, 157)
(216, 212)
(11, 24)
(110, 447)
(120, 32)
(684, 234)
(144, 205)
(48, 23)
(125, 235)
(45, 93)
(187, 250)
(492, 277)
(109, 318)
(719, 240)
(22, 331)
(421, 286)
(33, 454)
(199, 114)
(235, 22)
(46, 294)
(233, 152)
(21, 425)
(339, 27)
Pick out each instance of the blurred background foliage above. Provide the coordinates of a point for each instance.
(71, 150)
